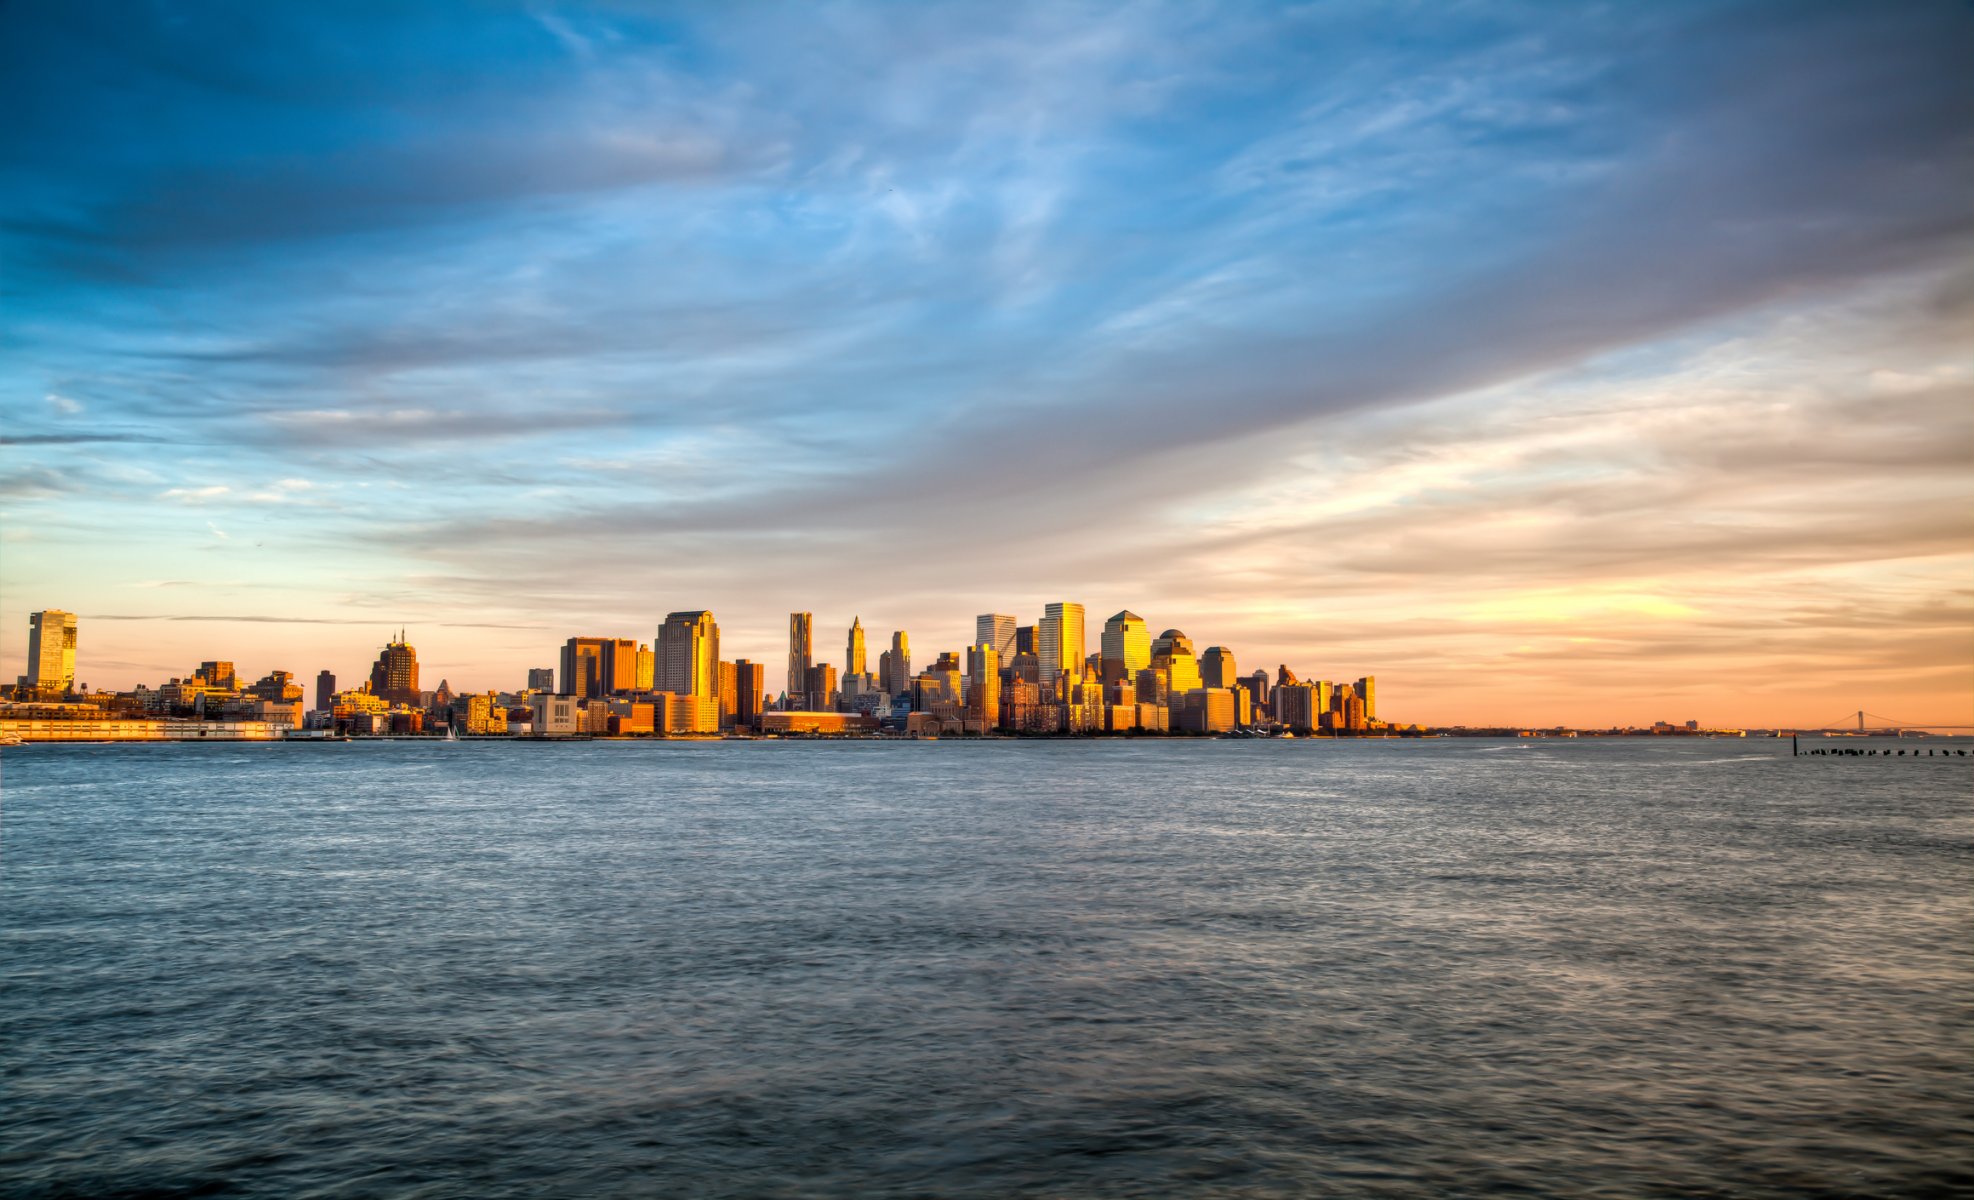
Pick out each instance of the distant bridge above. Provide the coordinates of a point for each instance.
(1884, 724)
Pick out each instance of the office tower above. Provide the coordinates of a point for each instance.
(219, 676)
(325, 688)
(729, 701)
(749, 680)
(854, 660)
(884, 672)
(647, 669)
(820, 688)
(1295, 706)
(541, 679)
(1059, 640)
(1126, 647)
(996, 630)
(899, 681)
(688, 654)
(1024, 639)
(1204, 710)
(983, 670)
(394, 676)
(1216, 668)
(50, 650)
(801, 653)
(1367, 691)
(1172, 657)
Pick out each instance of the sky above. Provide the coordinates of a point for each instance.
(1597, 363)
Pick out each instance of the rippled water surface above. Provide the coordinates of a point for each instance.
(1673, 968)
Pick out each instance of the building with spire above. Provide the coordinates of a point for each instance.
(854, 659)
(394, 676)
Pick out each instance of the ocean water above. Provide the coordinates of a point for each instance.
(1193, 968)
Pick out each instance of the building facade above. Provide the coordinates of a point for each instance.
(1059, 640)
(51, 638)
(688, 654)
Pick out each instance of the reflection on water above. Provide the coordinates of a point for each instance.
(1076, 969)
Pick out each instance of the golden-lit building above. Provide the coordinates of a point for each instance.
(983, 669)
(51, 639)
(688, 651)
(996, 630)
(394, 676)
(597, 667)
(801, 654)
(855, 661)
(1059, 640)
(1216, 668)
(1126, 647)
(817, 723)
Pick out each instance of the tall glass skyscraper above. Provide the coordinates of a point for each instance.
(1059, 640)
(996, 630)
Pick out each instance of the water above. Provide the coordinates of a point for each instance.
(1675, 968)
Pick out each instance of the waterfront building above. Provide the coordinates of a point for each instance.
(1295, 706)
(983, 669)
(1059, 640)
(854, 661)
(555, 716)
(1367, 691)
(676, 713)
(794, 722)
(394, 676)
(688, 654)
(51, 638)
(1126, 647)
(750, 680)
(1216, 668)
(995, 630)
(1205, 710)
(325, 687)
(801, 652)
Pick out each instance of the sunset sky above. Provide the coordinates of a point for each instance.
(1555, 363)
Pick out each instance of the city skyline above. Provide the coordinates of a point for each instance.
(1559, 365)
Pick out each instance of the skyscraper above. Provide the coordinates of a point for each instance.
(900, 681)
(394, 676)
(1367, 691)
(1059, 641)
(996, 630)
(1216, 667)
(801, 653)
(325, 689)
(854, 661)
(749, 680)
(1172, 656)
(1126, 647)
(688, 654)
(983, 669)
(50, 650)
(541, 679)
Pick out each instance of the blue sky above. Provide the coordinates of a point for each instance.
(1590, 354)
